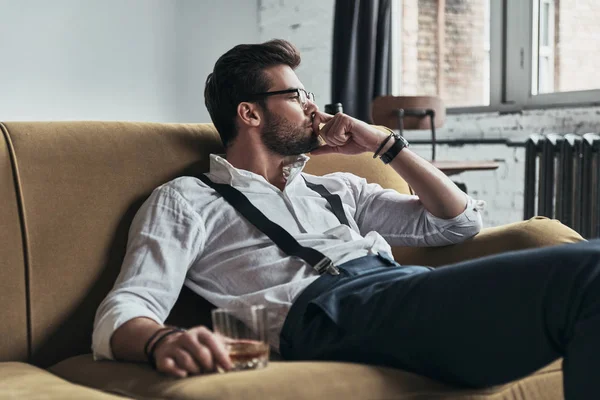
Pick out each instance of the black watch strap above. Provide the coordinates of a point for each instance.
(399, 144)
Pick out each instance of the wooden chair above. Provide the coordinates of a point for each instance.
(421, 112)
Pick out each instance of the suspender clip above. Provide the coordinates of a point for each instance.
(326, 265)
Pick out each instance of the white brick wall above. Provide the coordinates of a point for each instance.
(577, 27)
(502, 189)
(309, 25)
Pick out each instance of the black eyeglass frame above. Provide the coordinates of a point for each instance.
(309, 96)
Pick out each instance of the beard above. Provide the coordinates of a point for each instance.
(284, 138)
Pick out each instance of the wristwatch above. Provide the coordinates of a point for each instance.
(399, 144)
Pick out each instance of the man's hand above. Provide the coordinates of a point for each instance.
(195, 351)
(345, 135)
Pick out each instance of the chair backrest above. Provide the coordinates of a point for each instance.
(410, 112)
(384, 111)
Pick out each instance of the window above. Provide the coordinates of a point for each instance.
(543, 47)
(503, 55)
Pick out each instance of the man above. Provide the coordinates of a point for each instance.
(477, 323)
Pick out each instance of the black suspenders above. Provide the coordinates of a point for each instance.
(333, 199)
(276, 233)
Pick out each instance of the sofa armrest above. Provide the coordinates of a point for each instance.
(296, 381)
(535, 232)
(24, 381)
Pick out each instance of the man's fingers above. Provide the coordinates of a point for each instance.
(336, 131)
(185, 355)
(202, 355)
(169, 367)
(216, 347)
(195, 351)
(334, 135)
(323, 117)
(320, 118)
(186, 362)
(339, 139)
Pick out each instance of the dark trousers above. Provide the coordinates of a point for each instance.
(477, 323)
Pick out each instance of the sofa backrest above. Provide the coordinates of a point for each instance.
(364, 165)
(81, 185)
(73, 189)
(13, 322)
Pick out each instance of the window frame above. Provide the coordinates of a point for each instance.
(511, 63)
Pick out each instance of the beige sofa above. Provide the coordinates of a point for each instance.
(69, 191)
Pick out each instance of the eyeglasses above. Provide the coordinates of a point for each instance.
(303, 95)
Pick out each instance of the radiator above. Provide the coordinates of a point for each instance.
(562, 180)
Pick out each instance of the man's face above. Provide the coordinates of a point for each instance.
(287, 129)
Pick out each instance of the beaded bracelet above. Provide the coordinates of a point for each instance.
(155, 334)
(151, 358)
(382, 145)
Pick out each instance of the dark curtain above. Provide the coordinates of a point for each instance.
(361, 54)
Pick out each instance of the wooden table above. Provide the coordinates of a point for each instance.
(456, 167)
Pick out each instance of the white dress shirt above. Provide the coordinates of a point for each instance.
(186, 234)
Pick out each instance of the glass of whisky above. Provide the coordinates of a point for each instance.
(244, 331)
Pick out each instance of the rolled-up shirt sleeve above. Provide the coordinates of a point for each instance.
(403, 220)
(165, 238)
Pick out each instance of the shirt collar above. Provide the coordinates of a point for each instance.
(224, 172)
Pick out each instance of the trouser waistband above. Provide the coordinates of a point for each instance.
(325, 282)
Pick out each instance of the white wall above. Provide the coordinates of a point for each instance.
(143, 60)
(206, 30)
(72, 59)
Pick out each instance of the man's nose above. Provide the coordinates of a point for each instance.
(311, 107)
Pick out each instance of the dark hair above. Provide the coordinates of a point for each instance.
(238, 74)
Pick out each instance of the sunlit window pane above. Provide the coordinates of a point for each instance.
(464, 29)
(544, 24)
(566, 38)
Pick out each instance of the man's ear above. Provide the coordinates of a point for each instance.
(249, 114)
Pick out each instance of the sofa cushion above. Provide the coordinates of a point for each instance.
(533, 233)
(24, 381)
(13, 329)
(82, 183)
(297, 380)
